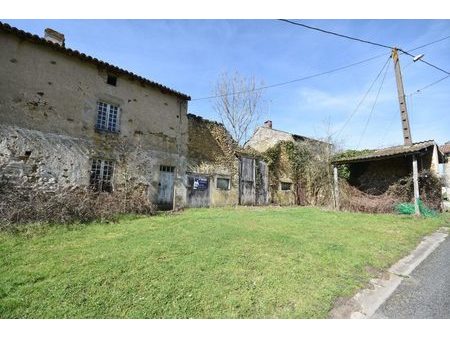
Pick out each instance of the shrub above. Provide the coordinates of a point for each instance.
(20, 206)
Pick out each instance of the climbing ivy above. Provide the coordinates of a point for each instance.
(306, 164)
(344, 169)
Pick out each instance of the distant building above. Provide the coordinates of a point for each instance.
(265, 137)
(285, 188)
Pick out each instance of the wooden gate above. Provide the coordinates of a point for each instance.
(262, 183)
(198, 191)
(253, 182)
(247, 181)
(165, 187)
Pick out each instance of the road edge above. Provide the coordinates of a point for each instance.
(367, 301)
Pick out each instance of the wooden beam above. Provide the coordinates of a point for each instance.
(416, 185)
(336, 187)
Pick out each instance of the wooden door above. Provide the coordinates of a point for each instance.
(165, 187)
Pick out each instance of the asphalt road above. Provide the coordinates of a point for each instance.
(426, 293)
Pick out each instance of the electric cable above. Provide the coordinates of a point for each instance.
(373, 107)
(292, 81)
(336, 34)
(418, 91)
(363, 98)
(368, 42)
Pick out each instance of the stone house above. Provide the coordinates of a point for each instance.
(70, 120)
(219, 172)
(445, 149)
(285, 187)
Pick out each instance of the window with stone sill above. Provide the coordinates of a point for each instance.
(101, 175)
(107, 117)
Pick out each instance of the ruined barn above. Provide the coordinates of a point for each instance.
(219, 172)
(388, 172)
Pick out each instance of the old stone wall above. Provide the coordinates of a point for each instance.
(281, 173)
(33, 159)
(265, 138)
(48, 113)
(46, 161)
(211, 152)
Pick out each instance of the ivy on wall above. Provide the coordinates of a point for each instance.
(307, 164)
(344, 169)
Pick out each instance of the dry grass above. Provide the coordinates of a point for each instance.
(353, 199)
(19, 207)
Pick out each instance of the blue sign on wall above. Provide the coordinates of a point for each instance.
(200, 183)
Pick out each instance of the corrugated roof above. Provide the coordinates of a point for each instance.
(39, 40)
(389, 152)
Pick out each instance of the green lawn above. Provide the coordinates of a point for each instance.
(202, 263)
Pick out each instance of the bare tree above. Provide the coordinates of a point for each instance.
(238, 104)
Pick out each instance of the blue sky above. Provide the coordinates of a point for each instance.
(189, 55)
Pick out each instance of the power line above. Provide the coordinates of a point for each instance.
(429, 64)
(330, 71)
(429, 85)
(336, 34)
(363, 99)
(430, 43)
(368, 42)
(292, 81)
(373, 107)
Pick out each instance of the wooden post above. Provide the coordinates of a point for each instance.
(336, 187)
(416, 185)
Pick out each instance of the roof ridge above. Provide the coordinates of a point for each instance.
(35, 38)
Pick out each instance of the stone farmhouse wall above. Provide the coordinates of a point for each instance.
(211, 155)
(48, 115)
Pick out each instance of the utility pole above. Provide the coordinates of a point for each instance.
(401, 99)
(407, 140)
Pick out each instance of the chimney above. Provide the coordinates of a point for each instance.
(54, 36)
(268, 124)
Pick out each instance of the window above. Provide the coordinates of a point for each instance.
(223, 183)
(166, 168)
(286, 186)
(111, 80)
(108, 117)
(101, 175)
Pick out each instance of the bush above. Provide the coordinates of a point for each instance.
(20, 206)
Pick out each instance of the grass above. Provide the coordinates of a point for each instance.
(202, 263)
